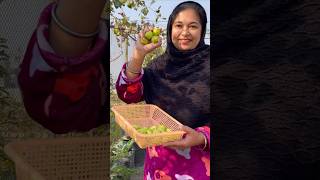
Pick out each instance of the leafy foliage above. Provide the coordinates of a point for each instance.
(6, 110)
(4, 57)
(122, 26)
(151, 56)
(121, 152)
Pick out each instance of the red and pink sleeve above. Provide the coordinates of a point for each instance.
(63, 94)
(205, 130)
(129, 90)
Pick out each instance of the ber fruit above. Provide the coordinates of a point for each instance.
(155, 39)
(116, 31)
(148, 35)
(151, 36)
(152, 130)
(144, 41)
(156, 31)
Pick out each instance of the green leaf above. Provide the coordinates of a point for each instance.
(158, 10)
(145, 11)
(117, 4)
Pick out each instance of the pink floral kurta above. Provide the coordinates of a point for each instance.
(162, 163)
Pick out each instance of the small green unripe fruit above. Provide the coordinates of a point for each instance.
(156, 31)
(144, 41)
(116, 31)
(130, 5)
(123, 1)
(155, 39)
(148, 35)
(152, 130)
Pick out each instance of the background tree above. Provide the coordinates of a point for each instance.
(4, 57)
(5, 164)
(125, 29)
(122, 24)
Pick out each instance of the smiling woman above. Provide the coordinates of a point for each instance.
(186, 30)
(177, 82)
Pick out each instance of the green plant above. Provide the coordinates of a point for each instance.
(6, 165)
(123, 26)
(121, 149)
(116, 131)
(151, 56)
(4, 57)
(121, 153)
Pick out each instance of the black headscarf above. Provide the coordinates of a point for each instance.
(178, 81)
(172, 50)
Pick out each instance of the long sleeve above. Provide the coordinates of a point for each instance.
(63, 94)
(129, 91)
(205, 130)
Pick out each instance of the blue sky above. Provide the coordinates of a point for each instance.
(166, 8)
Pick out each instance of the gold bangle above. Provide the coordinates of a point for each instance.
(205, 141)
(67, 30)
(133, 72)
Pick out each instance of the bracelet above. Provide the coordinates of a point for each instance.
(67, 30)
(133, 72)
(205, 142)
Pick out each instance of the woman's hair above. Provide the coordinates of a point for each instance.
(189, 5)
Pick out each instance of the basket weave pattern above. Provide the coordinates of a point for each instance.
(145, 116)
(60, 159)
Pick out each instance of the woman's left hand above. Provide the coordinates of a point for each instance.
(191, 138)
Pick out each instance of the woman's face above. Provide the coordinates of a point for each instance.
(186, 30)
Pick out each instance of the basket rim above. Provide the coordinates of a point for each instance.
(114, 108)
(160, 134)
(139, 135)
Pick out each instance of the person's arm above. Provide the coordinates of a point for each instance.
(134, 66)
(205, 131)
(199, 137)
(64, 89)
(80, 16)
(129, 85)
(129, 90)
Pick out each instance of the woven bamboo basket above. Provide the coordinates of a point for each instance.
(60, 159)
(145, 116)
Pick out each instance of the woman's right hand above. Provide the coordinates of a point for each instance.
(142, 50)
(139, 53)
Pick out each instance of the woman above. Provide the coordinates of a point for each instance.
(177, 82)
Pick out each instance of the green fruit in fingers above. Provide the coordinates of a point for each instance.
(123, 1)
(156, 31)
(130, 4)
(148, 35)
(152, 130)
(116, 31)
(155, 39)
(144, 41)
